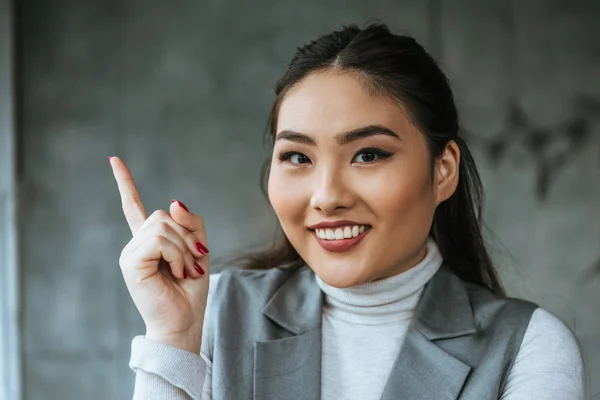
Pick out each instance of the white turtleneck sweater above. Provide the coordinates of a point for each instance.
(363, 329)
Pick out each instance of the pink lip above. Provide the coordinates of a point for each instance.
(341, 245)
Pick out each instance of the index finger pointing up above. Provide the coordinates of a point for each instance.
(134, 211)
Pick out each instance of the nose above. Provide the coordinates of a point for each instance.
(331, 193)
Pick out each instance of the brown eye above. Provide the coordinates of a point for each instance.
(299, 159)
(294, 158)
(366, 156)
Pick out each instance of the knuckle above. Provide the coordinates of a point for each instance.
(160, 241)
(123, 261)
(190, 237)
(124, 253)
(164, 226)
(159, 215)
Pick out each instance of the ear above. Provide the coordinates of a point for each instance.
(446, 172)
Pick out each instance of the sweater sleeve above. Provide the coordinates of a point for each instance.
(168, 373)
(549, 364)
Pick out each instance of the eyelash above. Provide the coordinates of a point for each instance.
(381, 154)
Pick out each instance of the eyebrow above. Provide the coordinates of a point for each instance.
(342, 138)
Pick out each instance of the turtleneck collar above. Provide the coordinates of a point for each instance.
(383, 301)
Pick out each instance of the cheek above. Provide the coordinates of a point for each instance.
(409, 203)
(287, 197)
(403, 196)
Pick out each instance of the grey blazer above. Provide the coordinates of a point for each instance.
(264, 337)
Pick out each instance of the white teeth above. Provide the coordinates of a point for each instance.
(346, 232)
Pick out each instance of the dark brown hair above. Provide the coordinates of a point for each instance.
(397, 67)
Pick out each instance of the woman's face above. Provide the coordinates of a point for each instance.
(351, 180)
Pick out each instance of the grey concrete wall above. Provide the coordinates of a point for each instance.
(181, 91)
(10, 366)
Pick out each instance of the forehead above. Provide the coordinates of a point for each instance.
(333, 102)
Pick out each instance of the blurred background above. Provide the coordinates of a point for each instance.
(181, 90)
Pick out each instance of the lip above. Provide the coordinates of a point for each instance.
(334, 224)
(341, 245)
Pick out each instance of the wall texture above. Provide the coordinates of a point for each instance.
(181, 90)
(10, 357)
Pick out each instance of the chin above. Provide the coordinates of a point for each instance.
(340, 275)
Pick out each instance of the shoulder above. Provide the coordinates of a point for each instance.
(549, 360)
(499, 313)
(232, 290)
(257, 275)
(541, 330)
(243, 285)
(547, 337)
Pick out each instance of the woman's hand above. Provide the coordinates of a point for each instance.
(161, 266)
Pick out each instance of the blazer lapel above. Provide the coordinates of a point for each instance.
(290, 367)
(423, 370)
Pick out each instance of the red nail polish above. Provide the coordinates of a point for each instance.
(201, 248)
(180, 204)
(184, 274)
(198, 268)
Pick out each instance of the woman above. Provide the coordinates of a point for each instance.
(382, 287)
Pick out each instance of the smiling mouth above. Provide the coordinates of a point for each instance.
(340, 233)
(340, 239)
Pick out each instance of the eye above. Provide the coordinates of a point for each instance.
(294, 158)
(370, 155)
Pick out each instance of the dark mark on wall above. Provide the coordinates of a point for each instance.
(550, 148)
(590, 274)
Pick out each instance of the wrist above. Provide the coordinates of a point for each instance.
(188, 341)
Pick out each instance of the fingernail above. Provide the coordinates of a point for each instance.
(198, 268)
(201, 248)
(109, 157)
(180, 204)
(184, 274)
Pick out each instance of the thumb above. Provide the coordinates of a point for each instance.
(182, 216)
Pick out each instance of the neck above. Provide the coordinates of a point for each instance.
(383, 300)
